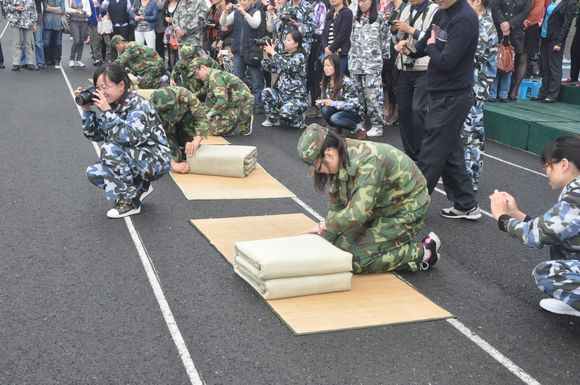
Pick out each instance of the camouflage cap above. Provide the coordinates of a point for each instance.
(187, 52)
(198, 62)
(116, 40)
(310, 143)
(171, 103)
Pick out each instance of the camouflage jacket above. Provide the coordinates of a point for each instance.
(25, 19)
(190, 17)
(303, 13)
(291, 70)
(183, 72)
(380, 182)
(348, 99)
(223, 91)
(370, 44)
(141, 60)
(182, 115)
(558, 228)
(133, 124)
(485, 57)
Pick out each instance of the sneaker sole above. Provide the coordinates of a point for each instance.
(128, 213)
(572, 311)
(461, 216)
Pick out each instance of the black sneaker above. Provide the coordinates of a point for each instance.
(471, 214)
(144, 191)
(431, 245)
(124, 208)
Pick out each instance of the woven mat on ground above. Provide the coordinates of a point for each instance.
(258, 185)
(215, 140)
(374, 300)
(219, 160)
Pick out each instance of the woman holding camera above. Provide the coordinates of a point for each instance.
(135, 151)
(340, 105)
(286, 101)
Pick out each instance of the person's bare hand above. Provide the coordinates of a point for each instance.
(181, 167)
(432, 39)
(327, 51)
(101, 102)
(179, 33)
(556, 48)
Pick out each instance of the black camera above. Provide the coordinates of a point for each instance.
(86, 96)
(262, 42)
(287, 16)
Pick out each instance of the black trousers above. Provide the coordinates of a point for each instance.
(413, 101)
(442, 150)
(1, 54)
(314, 70)
(551, 70)
(575, 52)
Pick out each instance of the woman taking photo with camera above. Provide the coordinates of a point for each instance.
(135, 151)
(286, 101)
(339, 105)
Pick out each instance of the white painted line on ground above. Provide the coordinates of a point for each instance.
(155, 283)
(480, 342)
(480, 209)
(515, 165)
(3, 31)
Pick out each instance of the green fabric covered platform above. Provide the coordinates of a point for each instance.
(531, 125)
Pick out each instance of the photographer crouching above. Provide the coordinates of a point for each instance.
(135, 151)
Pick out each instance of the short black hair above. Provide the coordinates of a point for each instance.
(332, 140)
(564, 147)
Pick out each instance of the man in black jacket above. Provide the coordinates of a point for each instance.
(450, 43)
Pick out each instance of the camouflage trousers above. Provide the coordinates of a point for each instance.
(226, 123)
(121, 171)
(289, 111)
(370, 88)
(377, 247)
(560, 279)
(473, 136)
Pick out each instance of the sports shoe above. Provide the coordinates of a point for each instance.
(248, 130)
(71, 63)
(361, 135)
(268, 123)
(556, 306)
(431, 245)
(80, 64)
(57, 65)
(452, 212)
(144, 191)
(568, 81)
(375, 132)
(124, 208)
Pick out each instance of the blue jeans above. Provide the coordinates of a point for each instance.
(340, 119)
(38, 47)
(256, 78)
(504, 81)
(52, 46)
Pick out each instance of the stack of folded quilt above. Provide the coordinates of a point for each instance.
(293, 266)
(223, 160)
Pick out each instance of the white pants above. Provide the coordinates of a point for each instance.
(145, 38)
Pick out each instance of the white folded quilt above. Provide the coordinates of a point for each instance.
(297, 256)
(218, 160)
(296, 286)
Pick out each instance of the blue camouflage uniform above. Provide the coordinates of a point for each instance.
(558, 228)
(473, 133)
(303, 13)
(135, 148)
(287, 99)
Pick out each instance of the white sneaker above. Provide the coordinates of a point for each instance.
(452, 212)
(124, 208)
(57, 66)
(71, 63)
(268, 123)
(375, 132)
(80, 64)
(556, 306)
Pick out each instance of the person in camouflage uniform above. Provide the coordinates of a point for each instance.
(296, 15)
(184, 121)
(140, 60)
(378, 201)
(135, 150)
(370, 44)
(228, 100)
(189, 22)
(287, 99)
(183, 74)
(558, 228)
(473, 133)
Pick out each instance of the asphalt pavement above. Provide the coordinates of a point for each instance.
(77, 307)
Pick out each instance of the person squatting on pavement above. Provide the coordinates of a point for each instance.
(378, 201)
(135, 151)
(140, 60)
(228, 100)
(286, 100)
(370, 44)
(339, 105)
(450, 42)
(473, 133)
(558, 228)
(184, 121)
